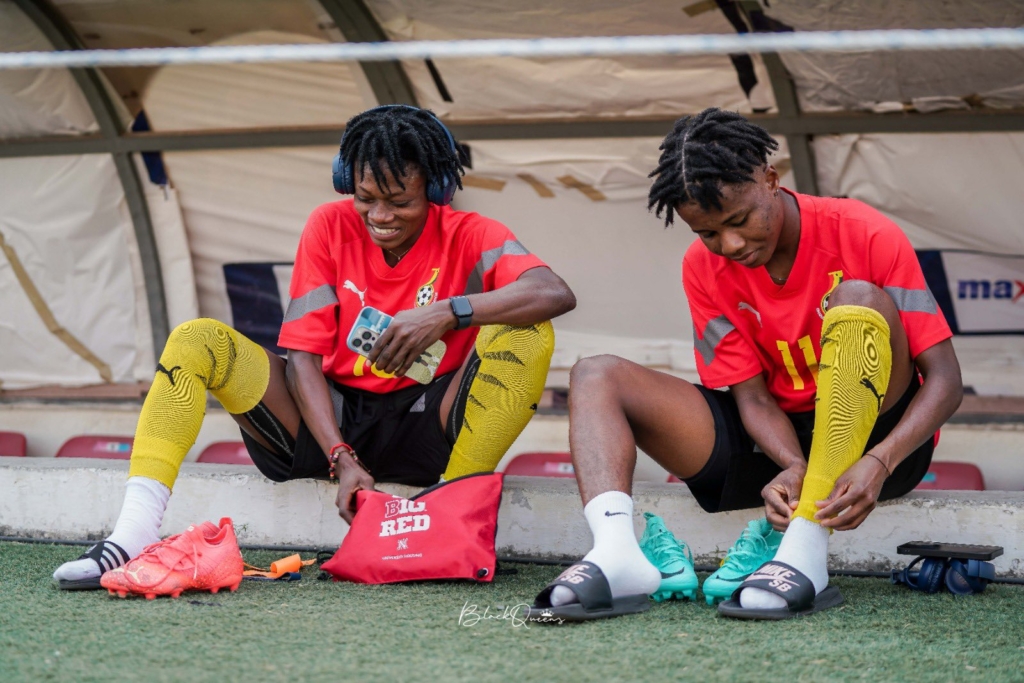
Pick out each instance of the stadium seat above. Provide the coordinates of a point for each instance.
(543, 464)
(93, 446)
(952, 476)
(673, 479)
(12, 443)
(225, 453)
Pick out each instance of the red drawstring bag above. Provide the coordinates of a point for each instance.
(444, 532)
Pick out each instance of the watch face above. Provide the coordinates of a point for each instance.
(462, 307)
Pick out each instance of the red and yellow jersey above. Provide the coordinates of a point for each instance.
(745, 324)
(338, 270)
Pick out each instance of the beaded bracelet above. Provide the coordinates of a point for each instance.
(335, 456)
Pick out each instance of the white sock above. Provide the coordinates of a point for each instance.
(616, 551)
(805, 548)
(137, 526)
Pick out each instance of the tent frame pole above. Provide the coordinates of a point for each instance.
(62, 37)
(389, 81)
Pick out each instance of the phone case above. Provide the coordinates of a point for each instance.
(960, 550)
(371, 323)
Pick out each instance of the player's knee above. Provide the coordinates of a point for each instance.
(191, 341)
(862, 293)
(594, 374)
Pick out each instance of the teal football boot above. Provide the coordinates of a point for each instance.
(756, 545)
(672, 558)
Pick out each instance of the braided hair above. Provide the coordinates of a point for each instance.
(398, 136)
(702, 153)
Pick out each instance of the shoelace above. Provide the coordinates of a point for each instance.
(666, 546)
(161, 553)
(748, 546)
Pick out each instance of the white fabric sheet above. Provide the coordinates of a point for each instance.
(73, 239)
(41, 101)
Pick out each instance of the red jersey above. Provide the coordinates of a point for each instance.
(745, 324)
(338, 270)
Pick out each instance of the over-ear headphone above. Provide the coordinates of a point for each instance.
(439, 190)
(961, 577)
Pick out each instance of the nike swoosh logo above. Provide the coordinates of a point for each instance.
(612, 514)
(669, 576)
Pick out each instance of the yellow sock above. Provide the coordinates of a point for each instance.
(201, 355)
(853, 376)
(503, 396)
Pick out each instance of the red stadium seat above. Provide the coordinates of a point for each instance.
(546, 464)
(952, 476)
(92, 446)
(226, 453)
(12, 443)
(673, 479)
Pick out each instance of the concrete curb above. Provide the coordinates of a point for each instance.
(79, 499)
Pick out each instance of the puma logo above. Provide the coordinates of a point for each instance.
(744, 306)
(871, 387)
(169, 373)
(351, 286)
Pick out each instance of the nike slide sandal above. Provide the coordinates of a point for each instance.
(791, 585)
(591, 587)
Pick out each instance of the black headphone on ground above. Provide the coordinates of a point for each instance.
(440, 191)
(961, 577)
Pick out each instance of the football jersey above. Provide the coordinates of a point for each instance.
(745, 324)
(339, 270)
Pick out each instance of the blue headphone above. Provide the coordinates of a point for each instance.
(961, 577)
(439, 190)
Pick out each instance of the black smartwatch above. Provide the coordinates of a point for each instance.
(463, 311)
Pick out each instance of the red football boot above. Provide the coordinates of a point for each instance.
(204, 557)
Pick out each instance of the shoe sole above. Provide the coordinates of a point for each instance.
(663, 596)
(173, 594)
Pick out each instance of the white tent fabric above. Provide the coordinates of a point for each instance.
(37, 102)
(948, 191)
(253, 95)
(519, 88)
(890, 81)
(74, 239)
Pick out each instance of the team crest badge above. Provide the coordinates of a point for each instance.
(837, 279)
(426, 294)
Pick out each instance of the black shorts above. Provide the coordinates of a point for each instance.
(398, 435)
(735, 473)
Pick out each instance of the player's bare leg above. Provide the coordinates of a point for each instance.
(616, 406)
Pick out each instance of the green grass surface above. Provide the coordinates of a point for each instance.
(317, 630)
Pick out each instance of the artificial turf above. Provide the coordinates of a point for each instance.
(320, 630)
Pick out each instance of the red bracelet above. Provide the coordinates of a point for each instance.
(333, 457)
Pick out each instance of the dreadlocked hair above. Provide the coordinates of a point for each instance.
(397, 136)
(702, 153)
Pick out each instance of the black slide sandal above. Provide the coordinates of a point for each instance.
(106, 555)
(591, 587)
(791, 585)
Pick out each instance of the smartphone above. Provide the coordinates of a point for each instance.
(964, 551)
(370, 325)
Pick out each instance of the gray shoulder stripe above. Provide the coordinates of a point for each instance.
(912, 300)
(475, 283)
(713, 335)
(313, 300)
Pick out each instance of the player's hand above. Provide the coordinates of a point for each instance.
(351, 478)
(409, 335)
(782, 494)
(854, 496)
